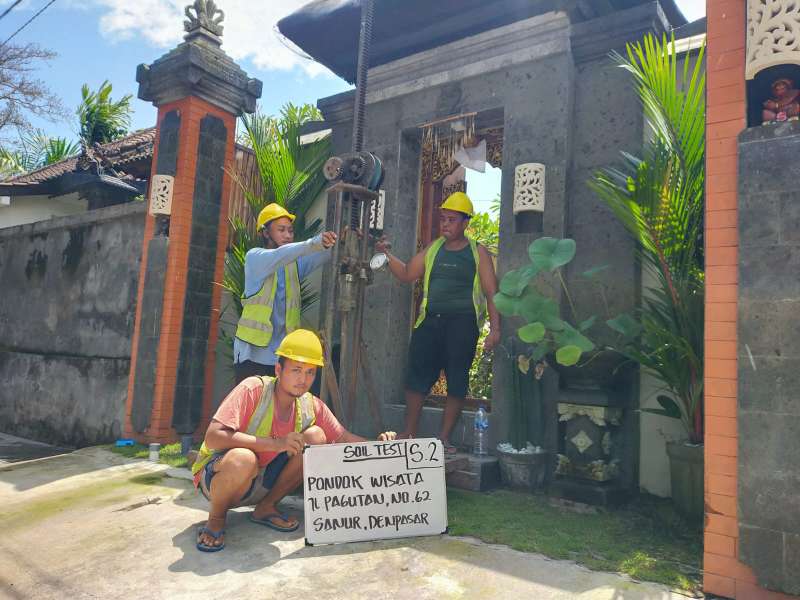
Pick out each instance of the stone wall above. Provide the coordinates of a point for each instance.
(769, 356)
(66, 318)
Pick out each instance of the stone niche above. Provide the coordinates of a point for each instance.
(773, 52)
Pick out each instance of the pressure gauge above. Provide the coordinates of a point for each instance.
(378, 261)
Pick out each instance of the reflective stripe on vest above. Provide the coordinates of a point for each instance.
(255, 324)
(478, 301)
(260, 423)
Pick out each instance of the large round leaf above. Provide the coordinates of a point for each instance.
(568, 355)
(531, 333)
(513, 283)
(572, 337)
(535, 307)
(506, 305)
(550, 253)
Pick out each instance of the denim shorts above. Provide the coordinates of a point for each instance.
(263, 481)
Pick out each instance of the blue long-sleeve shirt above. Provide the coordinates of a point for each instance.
(260, 263)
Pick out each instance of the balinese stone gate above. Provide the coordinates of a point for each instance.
(752, 491)
(544, 78)
(199, 92)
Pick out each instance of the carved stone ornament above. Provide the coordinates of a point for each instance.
(161, 194)
(599, 415)
(204, 14)
(773, 34)
(529, 188)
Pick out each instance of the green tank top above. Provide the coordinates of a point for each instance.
(450, 287)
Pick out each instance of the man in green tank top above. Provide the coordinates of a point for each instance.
(459, 283)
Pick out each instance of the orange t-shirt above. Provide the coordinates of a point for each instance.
(238, 406)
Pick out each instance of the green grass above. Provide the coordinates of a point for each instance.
(169, 454)
(646, 540)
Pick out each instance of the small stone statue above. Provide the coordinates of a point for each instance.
(784, 105)
(206, 15)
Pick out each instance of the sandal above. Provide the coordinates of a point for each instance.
(214, 534)
(267, 521)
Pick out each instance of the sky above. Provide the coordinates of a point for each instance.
(97, 40)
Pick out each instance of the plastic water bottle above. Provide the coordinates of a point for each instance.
(480, 433)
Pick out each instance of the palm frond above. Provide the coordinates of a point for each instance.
(659, 199)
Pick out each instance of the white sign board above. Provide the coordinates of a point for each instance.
(374, 490)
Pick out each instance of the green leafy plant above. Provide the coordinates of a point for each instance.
(102, 119)
(544, 331)
(35, 150)
(543, 327)
(290, 174)
(658, 197)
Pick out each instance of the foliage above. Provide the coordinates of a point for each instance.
(480, 373)
(23, 95)
(647, 539)
(102, 119)
(543, 326)
(290, 174)
(543, 331)
(484, 227)
(659, 200)
(33, 151)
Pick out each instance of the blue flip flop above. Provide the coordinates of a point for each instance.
(214, 534)
(266, 520)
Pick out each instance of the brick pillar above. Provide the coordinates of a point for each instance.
(199, 92)
(724, 574)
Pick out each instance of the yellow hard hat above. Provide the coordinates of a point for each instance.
(303, 346)
(459, 202)
(271, 212)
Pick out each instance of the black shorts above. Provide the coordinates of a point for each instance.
(442, 342)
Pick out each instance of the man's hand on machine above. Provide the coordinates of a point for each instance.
(387, 436)
(383, 244)
(328, 239)
(292, 443)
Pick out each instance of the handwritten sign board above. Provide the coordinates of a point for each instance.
(374, 490)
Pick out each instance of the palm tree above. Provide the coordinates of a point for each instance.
(659, 198)
(102, 119)
(35, 150)
(290, 174)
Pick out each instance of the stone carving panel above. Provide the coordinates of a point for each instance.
(773, 34)
(161, 194)
(529, 188)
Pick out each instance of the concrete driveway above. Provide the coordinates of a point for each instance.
(91, 524)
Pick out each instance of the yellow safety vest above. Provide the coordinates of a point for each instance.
(255, 324)
(260, 423)
(478, 301)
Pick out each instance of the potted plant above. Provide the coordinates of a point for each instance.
(659, 199)
(546, 338)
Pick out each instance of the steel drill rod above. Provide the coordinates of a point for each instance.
(330, 309)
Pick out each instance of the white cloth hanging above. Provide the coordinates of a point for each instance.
(472, 158)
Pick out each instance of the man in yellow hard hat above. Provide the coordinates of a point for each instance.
(459, 283)
(252, 452)
(271, 299)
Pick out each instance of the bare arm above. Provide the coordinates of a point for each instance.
(489, 285)
(406, 273)
(220, 437)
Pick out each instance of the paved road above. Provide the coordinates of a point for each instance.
(91, 524)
